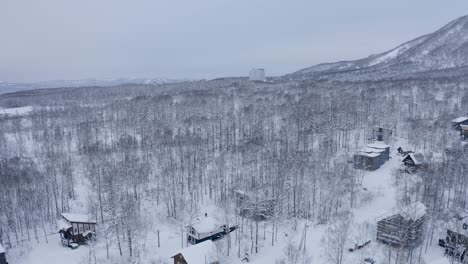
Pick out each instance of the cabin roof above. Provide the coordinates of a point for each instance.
(378, 145)
(413, 211)
(370, 155)
(2, 249)
(78, 218)
(464, 127)
(63, 225)
(205, 224)
(418, 159)
(372, 150)
(460, 119)
(204, 252)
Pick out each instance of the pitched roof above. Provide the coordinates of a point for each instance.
(460, 119)
(2, 250)
(78, 218)
(378, 145)
(63, 225)
(205, 224)
(201, 253)
(413, 211)
(418, 159)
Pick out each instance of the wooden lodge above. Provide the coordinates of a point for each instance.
(458, 122)
(464, 132)
(404, 229)
(381, 133)
(403, 151)
(254, 206)
(206, 228)
(456, 240)
(76, 229)
(372, 157)
(202, 253)
(2, 255)
(414, 161)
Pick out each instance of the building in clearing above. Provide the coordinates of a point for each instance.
(76, 229)
(414, 161)
(464, 132)
(205, 228)
(457, 122)
(456, 239)
(403, 229)
(372, 157)
(202, 253)
(2, 255)
(381, 133)
(257, 75)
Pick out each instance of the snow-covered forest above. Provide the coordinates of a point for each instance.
(146, 160)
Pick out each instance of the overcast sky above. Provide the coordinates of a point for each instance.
(71, 39)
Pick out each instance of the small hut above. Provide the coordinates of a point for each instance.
(458, 122)
(76, 229)
(403, 151)
(414, 161)
(2, 255)
(464, 132)
(202, 253)
(404, 229)
(256, 206)
(381, 133)
(205, 228)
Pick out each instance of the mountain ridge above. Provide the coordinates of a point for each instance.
(445, 48)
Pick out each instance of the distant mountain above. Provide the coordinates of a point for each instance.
(6, 87)
(444, 49)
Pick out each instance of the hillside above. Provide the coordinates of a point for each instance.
(446, 48)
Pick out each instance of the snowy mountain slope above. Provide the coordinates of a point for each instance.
(6, 87)
(445, 48)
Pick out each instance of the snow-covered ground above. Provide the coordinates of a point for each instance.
(16, 110)
(378, 196)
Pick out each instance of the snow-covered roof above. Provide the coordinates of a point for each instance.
(418, 159)
(205, 224)
(2, 249)
(464, 127)
(63, 225)
(413, 211)
(201, 253)
(378, 145)
(78, 218)
(460, 119)
(370, 155)
(372, 150)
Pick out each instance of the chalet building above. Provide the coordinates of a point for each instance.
(76, 229)
(414, 161)
(207, 228)
(404, 229)
(202, 253)
(456, 240)
(256, 206)
(458, 122)
(464, 132)
(2, 255)
(372, 157)
(381, 133)
(403, 151)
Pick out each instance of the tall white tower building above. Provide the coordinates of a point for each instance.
(257, 75)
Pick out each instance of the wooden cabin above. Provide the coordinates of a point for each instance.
(367, 161)
(2, 255)
(202, 253)
(458, 122)
(414, 161)
(456, 240)
(382, 148)
(464, 132)
(256, 206)
(205, 228)
(404, 229)
(403, 151)
(381, 133)
(76, 229)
